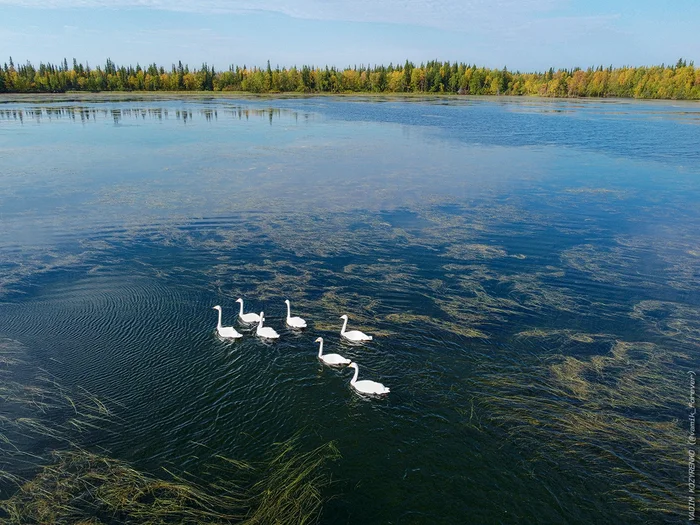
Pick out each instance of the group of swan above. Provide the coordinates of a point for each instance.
(365, 386)
(229, 332)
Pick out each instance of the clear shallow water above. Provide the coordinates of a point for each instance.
(529, 270)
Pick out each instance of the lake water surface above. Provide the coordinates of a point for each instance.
(529, 270)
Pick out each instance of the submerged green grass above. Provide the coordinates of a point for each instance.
(48, 474)
(618, 414)
(80, 486)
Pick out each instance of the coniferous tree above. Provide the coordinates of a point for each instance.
(678, 81)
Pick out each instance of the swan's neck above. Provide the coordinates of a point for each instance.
(241, 312)
(289, 311)
(345, 324)
(260, 323)
(218, 325)
(354, 378)
(320, 349)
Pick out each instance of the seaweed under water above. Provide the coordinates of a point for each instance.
(616, 413)
(50, 475)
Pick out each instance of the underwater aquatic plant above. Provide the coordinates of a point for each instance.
(65, 483)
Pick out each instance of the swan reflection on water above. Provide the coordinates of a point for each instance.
(352, 335)
(293, 322)
(227, 332)
(366, 386)
(330, 359)
(247, 318)
(265, 331)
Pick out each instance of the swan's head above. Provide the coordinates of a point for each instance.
(353, 365)
(239, 300)
(286, 301)
(344, 316)
(217, 307)
(319, 340)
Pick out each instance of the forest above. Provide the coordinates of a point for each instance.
(680, 81)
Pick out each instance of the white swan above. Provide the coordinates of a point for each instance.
(353, 335)
(330, 359)
(294, 322)
(228, 332)
(265, 331)
(247, 318)
(366, 387)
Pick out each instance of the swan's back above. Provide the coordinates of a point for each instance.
(335, 359)
(370, 387)
(250, 318)
(228, 331)
(296, 322)
(268, 332)
(356, 335)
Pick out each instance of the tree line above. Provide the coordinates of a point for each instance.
(678, 81)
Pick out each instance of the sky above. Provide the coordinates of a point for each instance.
(523, 35)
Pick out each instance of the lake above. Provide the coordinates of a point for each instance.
(529, 270)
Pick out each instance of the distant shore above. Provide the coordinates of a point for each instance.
(125, 96)
(672, 82)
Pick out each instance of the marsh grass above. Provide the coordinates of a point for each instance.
(289, 491)
(437, 324)
(80, 486)
(48, 475)
(474, 251)
(616, 413)
(674, 320)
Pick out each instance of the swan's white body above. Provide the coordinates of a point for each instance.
(294, 322)
(247, 318)
(330, 359)
(352, 335)
(365, 386)
(265, 331)
(229, 332)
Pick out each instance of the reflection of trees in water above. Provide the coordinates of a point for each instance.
(91, 114)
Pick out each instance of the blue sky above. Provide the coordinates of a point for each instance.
(524, 35)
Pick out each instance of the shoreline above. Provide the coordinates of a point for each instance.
(107, 96)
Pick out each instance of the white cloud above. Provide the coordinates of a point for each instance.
(446, 14)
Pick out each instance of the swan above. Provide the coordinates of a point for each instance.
(228, 332)
(366, 387)
(247, 318)
(294, 322)
(353, 335)
(330, 359)
(265, 331)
